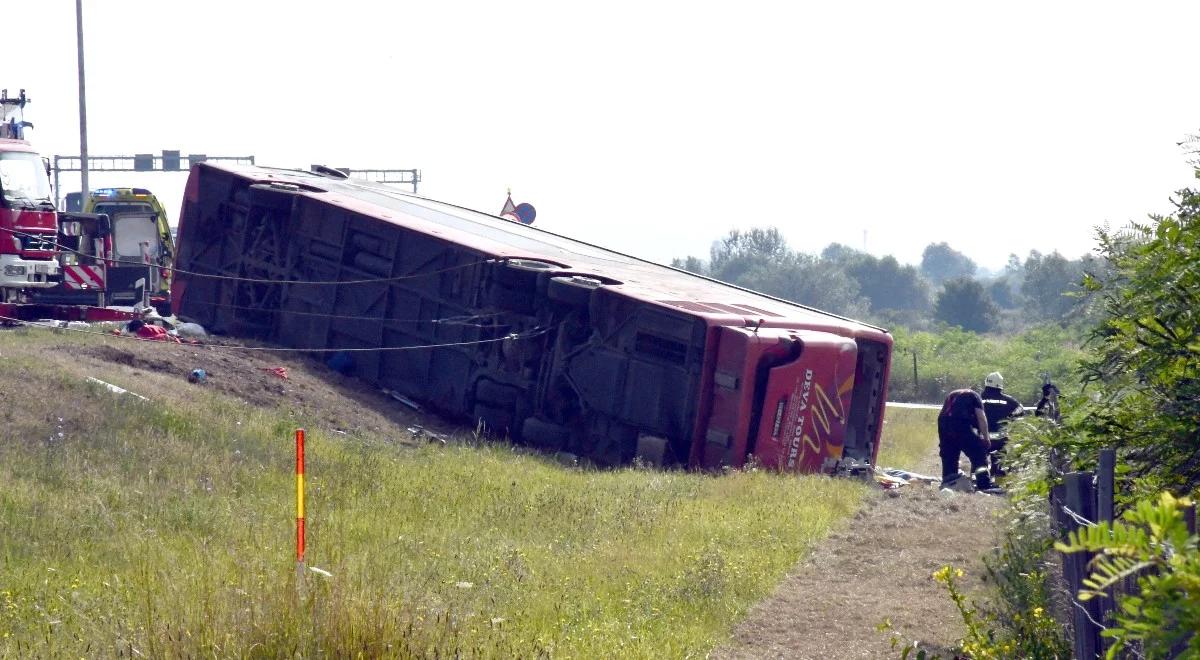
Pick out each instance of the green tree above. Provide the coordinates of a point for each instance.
(1145, 369)
(810, 281)
(963, 302)
(1048, 285)
(760, 259)
(742, 250)
(691, 265)
(1002, 293)
(887, 285)
(940, 262)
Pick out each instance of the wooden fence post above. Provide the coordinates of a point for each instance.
(1106, 485)
(1081, 500)
(1105, 511)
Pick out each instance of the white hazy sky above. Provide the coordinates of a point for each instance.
(654, 127)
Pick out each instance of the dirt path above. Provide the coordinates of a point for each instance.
(877, 567)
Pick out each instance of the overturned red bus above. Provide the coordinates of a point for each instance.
(557, 343)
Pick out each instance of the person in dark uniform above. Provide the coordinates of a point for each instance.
(963, 429)
(1048, 406)
(999, 408)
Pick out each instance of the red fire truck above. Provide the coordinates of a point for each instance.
(30, 226)
(557, 343)
(28, 222)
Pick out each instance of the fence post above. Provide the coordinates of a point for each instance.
(1080, 498)
(1106, 485)
(1106, 477)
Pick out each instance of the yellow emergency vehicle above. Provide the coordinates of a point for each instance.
(140, 233)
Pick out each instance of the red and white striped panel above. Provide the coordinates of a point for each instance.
(83, 277)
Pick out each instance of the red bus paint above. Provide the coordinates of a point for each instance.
(580, 349)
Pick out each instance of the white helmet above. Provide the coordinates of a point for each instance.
(995, 380)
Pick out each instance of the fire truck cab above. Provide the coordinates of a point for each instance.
(28, 222)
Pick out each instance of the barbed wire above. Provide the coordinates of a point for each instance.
(1079, 520)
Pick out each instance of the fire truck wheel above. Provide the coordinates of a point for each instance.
(543, 434)
(573, 290)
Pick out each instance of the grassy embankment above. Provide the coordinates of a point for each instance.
(166, 529)
(909, 440)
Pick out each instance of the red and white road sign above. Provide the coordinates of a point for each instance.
(83, 277)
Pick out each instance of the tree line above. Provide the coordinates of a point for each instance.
(945, 287)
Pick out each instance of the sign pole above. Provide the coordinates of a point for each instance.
(299, 506)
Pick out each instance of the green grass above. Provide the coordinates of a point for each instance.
(166, 529)
(954, 358)
(909, 438)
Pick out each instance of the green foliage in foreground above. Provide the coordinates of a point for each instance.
(1151, 542)
(1142, 371)
(955, 358)
(167, 530)
(1145, 368)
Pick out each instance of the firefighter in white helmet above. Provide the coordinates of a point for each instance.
(998, 407)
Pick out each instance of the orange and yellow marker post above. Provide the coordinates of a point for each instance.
(299, 503)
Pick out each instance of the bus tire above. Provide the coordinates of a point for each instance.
(521, 273)
(572, 290)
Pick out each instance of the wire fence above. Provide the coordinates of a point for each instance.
(1084, 499)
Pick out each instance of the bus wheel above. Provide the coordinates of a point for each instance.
(522, 273)
(573, 290)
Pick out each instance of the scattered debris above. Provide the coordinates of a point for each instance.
(190, 330)
(403, 399)
(197, 376)
(912, 476)
(419, 432)
(114, 389)
(886, 481)
(279, 372)
(320, 571)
